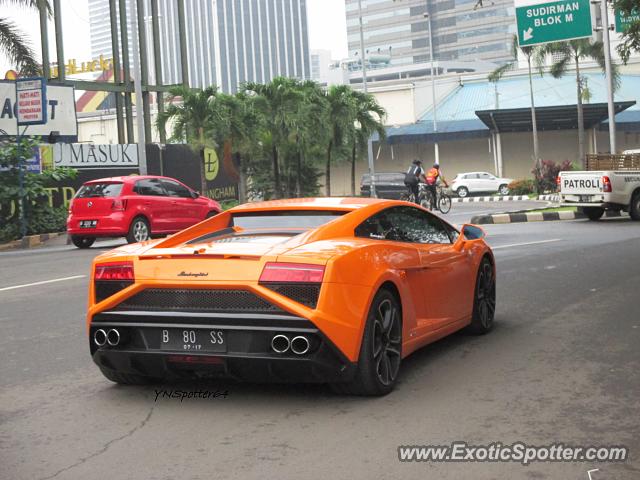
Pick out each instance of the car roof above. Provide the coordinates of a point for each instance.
(312, 203)
(128, 178)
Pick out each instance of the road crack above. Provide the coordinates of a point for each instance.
(105, 447)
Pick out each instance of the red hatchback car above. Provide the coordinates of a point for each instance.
(135, 207)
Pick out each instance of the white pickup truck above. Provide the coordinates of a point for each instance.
(611, 182)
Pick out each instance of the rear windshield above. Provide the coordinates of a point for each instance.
(299, 219)
(99, 190)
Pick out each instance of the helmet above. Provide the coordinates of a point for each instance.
(417, 162)
(436, 165)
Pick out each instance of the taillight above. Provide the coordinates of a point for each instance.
(114, 271)
(119, 205)
(558, 179)
(281, 272)
(606, 184)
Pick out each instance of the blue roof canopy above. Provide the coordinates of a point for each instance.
(457, 117)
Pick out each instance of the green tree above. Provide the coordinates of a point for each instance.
(13, 42)
(573, 52)
(369, 118)
(631, 36)
(192, 114)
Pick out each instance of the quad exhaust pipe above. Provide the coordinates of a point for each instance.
(298, 345)
(102, 338)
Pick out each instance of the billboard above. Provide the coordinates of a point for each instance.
(61, 112)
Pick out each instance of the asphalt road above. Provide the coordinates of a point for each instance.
(562, 365)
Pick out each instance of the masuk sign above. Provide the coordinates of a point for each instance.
(543, 22)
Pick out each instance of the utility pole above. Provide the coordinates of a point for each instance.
(363, 60)
(137, 86)
(607, 62)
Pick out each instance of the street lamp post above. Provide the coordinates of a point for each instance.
(363, 60)
(436, 150)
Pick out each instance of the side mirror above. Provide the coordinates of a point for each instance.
(468, 233)
(194, 194)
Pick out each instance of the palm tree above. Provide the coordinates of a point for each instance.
(310, 125)
(14, 44)
(495, 76)
(573, 51)
(277, 102)
(340, 117)
(191, 118)
(369, 119)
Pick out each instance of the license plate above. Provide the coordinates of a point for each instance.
(88, 223)
(585, 198)
(193, 340)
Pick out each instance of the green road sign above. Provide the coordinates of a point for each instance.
(623, 22)
(552, 21)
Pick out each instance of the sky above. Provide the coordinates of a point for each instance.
(327, 29)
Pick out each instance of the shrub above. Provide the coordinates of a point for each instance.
(40, 216)
(546, 173)
(522, 187)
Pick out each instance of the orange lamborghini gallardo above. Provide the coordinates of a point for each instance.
(335, 290)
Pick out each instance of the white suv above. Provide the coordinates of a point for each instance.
(473, 182)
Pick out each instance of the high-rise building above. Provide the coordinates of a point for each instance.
(396, 31)
(320, 63)
(228, 41)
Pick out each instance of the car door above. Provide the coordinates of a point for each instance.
(487, 182)
(152, 201)
(472, 182)
(445, 273)
(185, 209)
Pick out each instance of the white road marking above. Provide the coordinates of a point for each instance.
(526, 243)
(63, 279)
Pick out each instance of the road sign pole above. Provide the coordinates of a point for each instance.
(607, 62)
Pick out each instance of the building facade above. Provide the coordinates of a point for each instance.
(228, 41)
(396, 31)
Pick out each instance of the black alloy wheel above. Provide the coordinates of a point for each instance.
(484, 303)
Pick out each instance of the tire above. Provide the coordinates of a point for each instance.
(462, 192)
(503, 190)
(593, 213)
(444, 203)
(139, 230)
(405, 197)
(378, 372)
(634, 208)
(82, 242)
(484, 300)
(127, 378)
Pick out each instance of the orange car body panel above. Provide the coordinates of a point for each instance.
(435, 282)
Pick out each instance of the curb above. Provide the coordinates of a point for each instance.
(30, 241)
(550, 198)
(518, 217)
(512, 198)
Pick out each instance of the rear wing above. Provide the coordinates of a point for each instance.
(605, 161)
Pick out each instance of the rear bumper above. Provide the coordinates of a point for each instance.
(248, 354)
(114, 225)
